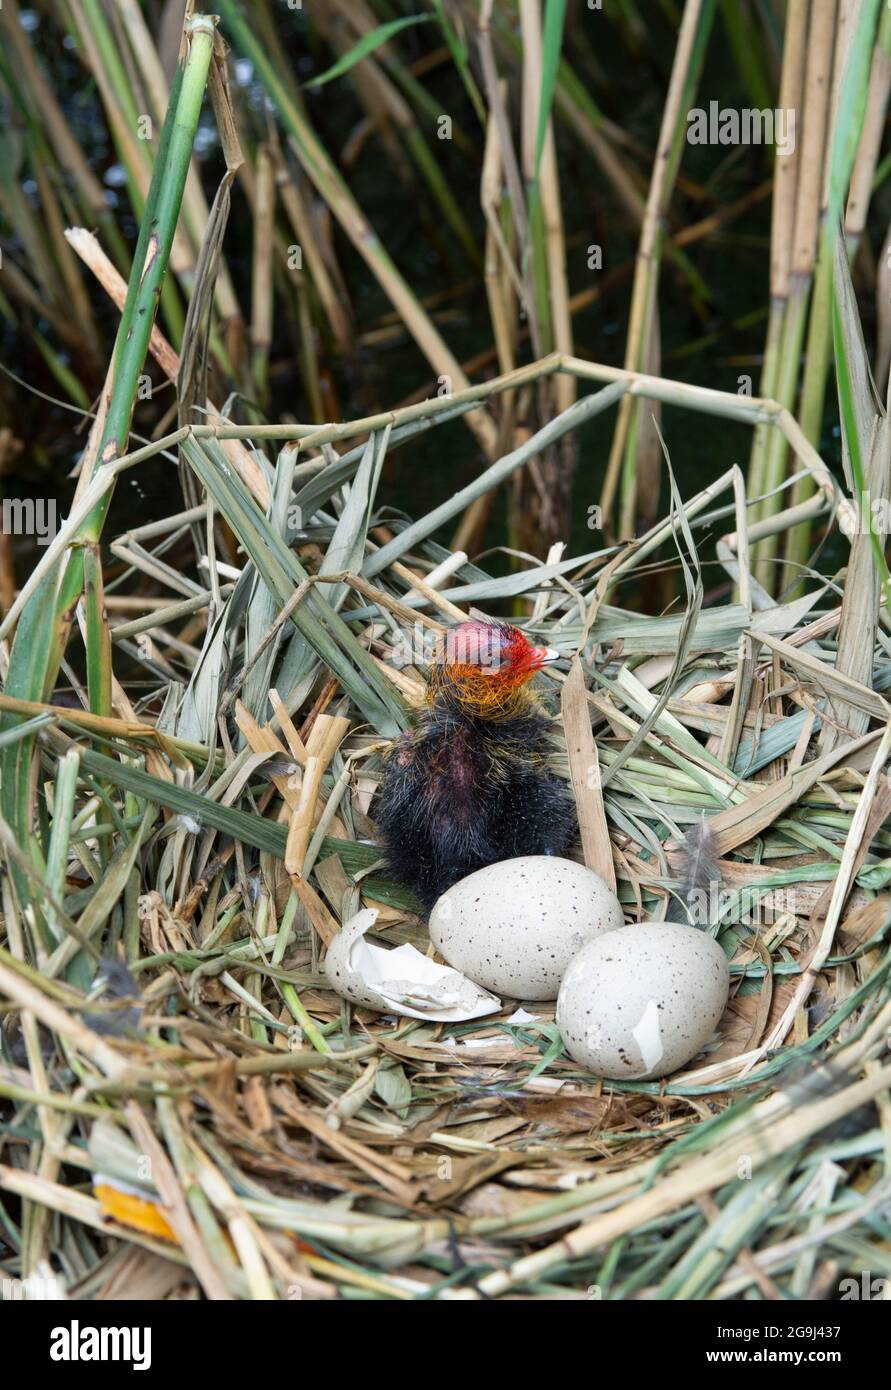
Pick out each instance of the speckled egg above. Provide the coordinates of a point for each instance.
(513, 927)
(640, 1003)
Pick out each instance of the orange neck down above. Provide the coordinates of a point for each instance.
(502, 694)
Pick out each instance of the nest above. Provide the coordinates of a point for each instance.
(210, 1118)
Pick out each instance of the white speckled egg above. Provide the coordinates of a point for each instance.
(513, 927)
(640, 1003)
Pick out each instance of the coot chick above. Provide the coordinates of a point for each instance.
(471, 784)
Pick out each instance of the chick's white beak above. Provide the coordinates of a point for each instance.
(547, 656)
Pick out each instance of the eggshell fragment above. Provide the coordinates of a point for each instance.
(639, 1003)
(401, 980)
(515, 926)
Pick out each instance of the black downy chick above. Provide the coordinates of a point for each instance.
(470, 785)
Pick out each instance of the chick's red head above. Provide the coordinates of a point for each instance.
(483, 662)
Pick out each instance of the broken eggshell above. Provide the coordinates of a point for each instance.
(514, 926)
(401, 980)
(640, 1003)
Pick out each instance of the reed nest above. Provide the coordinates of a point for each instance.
(195, 708)
(251, 1135)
